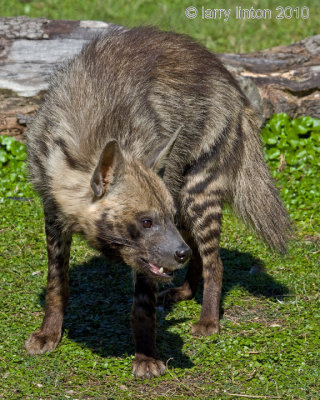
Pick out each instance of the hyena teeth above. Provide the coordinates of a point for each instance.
(161, 270)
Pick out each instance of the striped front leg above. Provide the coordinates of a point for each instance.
(48, 336)
(201, 202)
(146, 363)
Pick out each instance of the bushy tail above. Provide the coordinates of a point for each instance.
(255, 198)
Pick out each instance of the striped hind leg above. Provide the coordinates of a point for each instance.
(201, 201)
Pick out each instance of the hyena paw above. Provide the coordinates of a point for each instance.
(147, 367)
(39, 343)
(174, 295)
(205, 328)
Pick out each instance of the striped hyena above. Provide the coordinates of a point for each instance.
(142, 132)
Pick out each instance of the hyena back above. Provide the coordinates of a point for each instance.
(143, 127)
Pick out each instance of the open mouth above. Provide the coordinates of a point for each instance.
(156, 270)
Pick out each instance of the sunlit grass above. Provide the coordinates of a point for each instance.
(234, 35)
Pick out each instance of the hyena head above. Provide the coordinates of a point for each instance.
(135, 215)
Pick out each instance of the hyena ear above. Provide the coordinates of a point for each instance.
(109, 170)
(160, 154)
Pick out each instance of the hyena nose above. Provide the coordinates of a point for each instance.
(183, 254)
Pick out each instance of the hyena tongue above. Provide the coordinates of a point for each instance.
(158, 271)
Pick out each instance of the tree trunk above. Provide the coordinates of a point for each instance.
(280, 79)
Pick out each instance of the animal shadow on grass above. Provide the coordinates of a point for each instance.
(98, 313)
(241, 269)
(244, 270)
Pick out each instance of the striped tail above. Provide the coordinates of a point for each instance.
(255, 197)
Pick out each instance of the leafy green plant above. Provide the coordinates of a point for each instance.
(292, 150)
(13, 169)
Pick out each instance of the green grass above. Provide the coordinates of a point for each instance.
(269, 344)
(234, 35)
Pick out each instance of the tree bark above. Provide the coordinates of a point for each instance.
(280, 79)
(287, 77)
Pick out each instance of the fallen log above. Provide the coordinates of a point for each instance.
(280, 79)
(287, 77)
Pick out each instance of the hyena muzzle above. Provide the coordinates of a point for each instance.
(143, 132)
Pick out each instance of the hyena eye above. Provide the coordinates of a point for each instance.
(147, 223)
